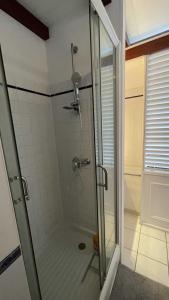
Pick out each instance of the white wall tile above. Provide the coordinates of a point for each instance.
(78, 188)
(35, 135)
(8, 230)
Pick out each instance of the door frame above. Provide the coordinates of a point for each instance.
(101, 11)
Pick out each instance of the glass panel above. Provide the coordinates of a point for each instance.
(55, 147)
(98, 135)
(13, 170)
(108, 97)
(104, 85)
(57, 161)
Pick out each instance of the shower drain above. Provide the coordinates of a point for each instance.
(82, 246)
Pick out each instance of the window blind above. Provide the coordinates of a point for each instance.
(107, 95)
(156, 152)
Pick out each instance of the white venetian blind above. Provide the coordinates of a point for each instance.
(156, 152)
(107, 95)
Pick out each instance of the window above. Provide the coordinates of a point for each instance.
(145, 19)
(156, 152)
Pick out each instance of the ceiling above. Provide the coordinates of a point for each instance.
(53, 11)
(146, 18)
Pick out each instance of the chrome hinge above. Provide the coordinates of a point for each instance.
(17, 201)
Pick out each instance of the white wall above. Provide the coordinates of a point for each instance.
(26, 66)
(78, 188)
(135, 77)
(62, 35)
(25, 63)
(78, 193)
(155, 204)
(134, 132)
(8, 230)
(9, 241)
(35, 136)
(12, 286)
(24, 55)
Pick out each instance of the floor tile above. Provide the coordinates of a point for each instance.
(153, 232)
(153, 248)
(131, 221)
(152, 269)
(129, 258)
(131, 239)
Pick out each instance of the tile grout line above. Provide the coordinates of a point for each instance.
(157, 261)
(138, 248)
(145, 234)
(148, 236)
(148, 256)
(167, 253)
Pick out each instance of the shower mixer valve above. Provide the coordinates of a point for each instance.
(78, 163)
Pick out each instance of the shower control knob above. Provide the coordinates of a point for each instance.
(78, 163)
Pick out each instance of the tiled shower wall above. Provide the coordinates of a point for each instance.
(34, 129)
(74, 137)
(48, 138)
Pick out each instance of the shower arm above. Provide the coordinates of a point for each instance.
(76, 79)
(74, 50)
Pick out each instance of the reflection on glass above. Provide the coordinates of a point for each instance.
(107, 57)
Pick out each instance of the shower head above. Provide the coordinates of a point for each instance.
(76, 78)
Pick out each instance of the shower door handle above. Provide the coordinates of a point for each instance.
(25, 187)
(105, 184)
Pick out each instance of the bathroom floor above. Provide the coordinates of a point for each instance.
(62, 265)
(132, 286)
(146, 250)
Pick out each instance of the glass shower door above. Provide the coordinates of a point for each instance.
(17, 192)
(104, 96)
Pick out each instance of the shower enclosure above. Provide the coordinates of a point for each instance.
(61, 158)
